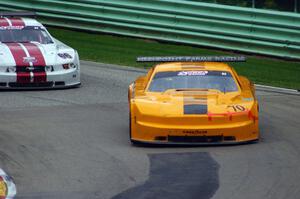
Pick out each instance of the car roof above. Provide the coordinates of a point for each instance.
(28, 21)
(176, 66)
(31, 22)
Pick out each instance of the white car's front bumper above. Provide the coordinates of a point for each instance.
(56, 79)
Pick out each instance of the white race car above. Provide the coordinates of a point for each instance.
(31, 58)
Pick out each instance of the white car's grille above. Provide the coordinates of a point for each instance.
(30, 69)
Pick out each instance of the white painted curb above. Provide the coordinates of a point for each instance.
(277, 89)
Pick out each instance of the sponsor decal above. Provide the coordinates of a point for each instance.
(65, 55)
(192, 73)
(11, 27)
(194, 132)
(29, 59)
(193, 59)
(7, 186)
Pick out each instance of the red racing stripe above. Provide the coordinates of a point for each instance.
(34, 51)
(17, 22)
(19, 54)
(3, 22)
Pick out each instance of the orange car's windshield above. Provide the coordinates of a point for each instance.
(218, 80)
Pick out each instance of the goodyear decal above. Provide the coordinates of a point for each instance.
(7, 186)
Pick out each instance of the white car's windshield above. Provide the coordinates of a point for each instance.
(219, 80)
(24, 34)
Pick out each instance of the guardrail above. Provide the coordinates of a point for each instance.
(225, 27)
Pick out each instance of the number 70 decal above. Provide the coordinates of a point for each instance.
(237, 108)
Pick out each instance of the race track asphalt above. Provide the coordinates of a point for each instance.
(74, 143)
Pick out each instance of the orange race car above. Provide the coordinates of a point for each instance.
(192, 100)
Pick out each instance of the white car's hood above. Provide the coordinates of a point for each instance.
(22, 54)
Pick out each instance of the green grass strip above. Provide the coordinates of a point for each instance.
(123, 51)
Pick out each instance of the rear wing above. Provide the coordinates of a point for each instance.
(193, 59)
(18, 14)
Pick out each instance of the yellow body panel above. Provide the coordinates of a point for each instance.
(158, 117)
(3, 188)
